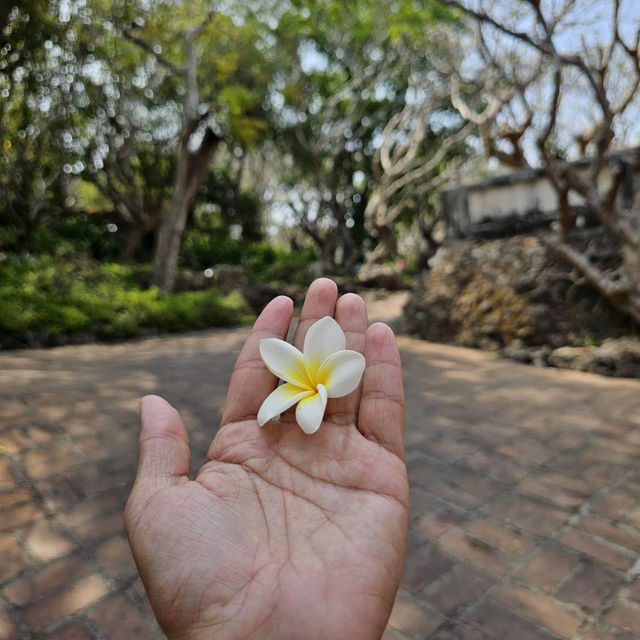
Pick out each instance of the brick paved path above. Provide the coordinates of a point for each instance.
(525, 491)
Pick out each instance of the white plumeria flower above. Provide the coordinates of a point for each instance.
(325, 370)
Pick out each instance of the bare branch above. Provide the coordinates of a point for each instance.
(179, 71)
(609, 288)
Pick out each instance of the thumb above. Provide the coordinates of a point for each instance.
(164, 455)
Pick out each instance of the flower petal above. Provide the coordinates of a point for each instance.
(280, 400)
(310, 411)
(323, 338)
(341, 373)
(284, 361)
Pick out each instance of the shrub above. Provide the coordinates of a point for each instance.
(263, 261)
(48, 301)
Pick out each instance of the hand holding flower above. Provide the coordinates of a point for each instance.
(281, 535)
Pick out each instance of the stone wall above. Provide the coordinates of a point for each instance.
(512, 295)
(502, 205)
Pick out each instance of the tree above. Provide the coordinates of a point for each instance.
(413, 159)
(40, 99)
(200, 81)
(353, 64)
(539, 126)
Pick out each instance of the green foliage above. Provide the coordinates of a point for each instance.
(49, 301)
(263, 261)
(78, 233)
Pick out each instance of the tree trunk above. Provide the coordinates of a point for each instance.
(631, 266)
(190, 173)
(387, 246)
(131, 246)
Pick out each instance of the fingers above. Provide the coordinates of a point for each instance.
(381, 416)
(251, 382)
(164, 445)
(351, 315)
(319, 302)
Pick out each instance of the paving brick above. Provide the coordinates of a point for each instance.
(14, 560)
(114, 556)
(512, 542)
(511, 421)
(529, 514)
(459, 631)
(508, 471)
(104, 445)
(8, 630)
(599, 474)
(57, 492)
(449, 489)
(103, 527)
(412, 620)
(13, 496)
(138, 588)
(91, 508)
(6, 477)
(40, 434)
(549, 568)
(501, 624)
(79, 595)
(420, 571)
(421, 469)
(11, 410)
(458, 588)
(634, 592)
(94, 478)
(527, 450)
(49, 460)
(633, 518)
(75, 630)
(589, 587)
(598, 632)
(432, 525)
(24, 437)
(615, 505)
(539, 609)
(589, 546)
(117, 618)
(45, 541)
(476, 552)
(50, 578)
(624, 537)
(19, 515)
(421, 502)
(625, 616)
(565, 498)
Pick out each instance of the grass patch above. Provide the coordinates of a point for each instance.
(47, 301)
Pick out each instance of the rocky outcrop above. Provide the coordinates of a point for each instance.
(513, 295)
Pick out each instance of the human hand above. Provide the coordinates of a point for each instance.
(281, 534)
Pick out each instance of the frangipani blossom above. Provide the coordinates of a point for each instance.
(324, 370)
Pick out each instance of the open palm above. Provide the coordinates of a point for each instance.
(281, 534)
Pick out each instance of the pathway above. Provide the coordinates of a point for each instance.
(525, 490)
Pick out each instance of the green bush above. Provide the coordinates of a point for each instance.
(263, 261)
(78, 233)
(48, 300)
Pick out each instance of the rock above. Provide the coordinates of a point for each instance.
(382, 276)
(513, 295)
(575, 358)
(615, 357)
